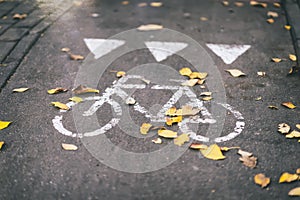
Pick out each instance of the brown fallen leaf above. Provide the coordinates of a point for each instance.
(188, 110)
(235, 72)
(157, 141)
(198, 146)
(270, 21)
(207, 98)
(19, 16)
(83, 89)
(69, 147)
(20, 90)
(295, 192)
(225, 3)
(66, 49)
(190, 83)
(287, 27)
(247, 158)
(293, 134)
(144, 129)
(60, 105)
(171, 120)
(258, 4)
(276, 60)
(298, 171)
(156, 4)
(292, 57)
(276, 5)
(284, 128)
(4, 124)
(213, 152)
(150, 27)
(181, 139)
(239, 4)
(76, 57)
(287, 177)
(57, 90)
(185, 71)
(289, 105)
(120, 74)
(200, 82)
(1, 144)
(125, 2)
(143, 4)
(272, 14)
(203, 19)
(167, 133)
(258, 98)
(262, 180)
(273, 107)
(76, 99)
(205, 93)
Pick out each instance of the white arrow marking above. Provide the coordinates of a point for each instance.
(101, 47)
(162, 50)
(228, 53)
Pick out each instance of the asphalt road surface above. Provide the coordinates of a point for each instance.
(34, 165)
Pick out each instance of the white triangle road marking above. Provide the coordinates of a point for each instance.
(162, 50)
(106, 46)
(228, 52)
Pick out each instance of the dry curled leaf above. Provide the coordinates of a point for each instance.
(213, 152)
(83, 89)
(203, 19)
(292, 57)
(171, 120)
(130, 101)
(273, 107)
(150, 27)
(188, 110)
(120, 74)
(207, 98)
(190, 83)
(60, 105)
(298, 126)
(262, 180)
(293, 134)
(20, 90)
(19, 16)
(1, 144)
(157, 141)
(284, 128)
(287, 177)
(272, 14)
(156, 4)
(239, 4)
(276, 60)
(143, 4)
(235, 72)
(198, 146)
(200, 82)
(205, 93)
(225, 3)
(65, 49)
(295, 192)
(277, 5)
(4, 124)
(185, 71)
(56, 90)
(258, 4)
(258, 98)
(167, 133)
(298, 171)
(181, 139)
(261, 74)
(270, 21)
(125, 2)
(287, 27)
(76, 99)
(144, 129)
(289, 105)
(76, 57)
(69, 147)
(247, 158)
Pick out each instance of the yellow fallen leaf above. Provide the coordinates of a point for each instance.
(76, 99)
(292, 57)
(225, 3)
(198, 75)
(167, 133)
(295, 192)
(262, 180)
(145, 128)
(69, 147)
(298, 126)
(213, 152)
(271, 21)
(277, 60)
(150, 27)
(284, 128)
(200, 82)
(207, 98)
(171, 111)
(289, 105)
(171, 120)
(190, 83)
(228, 148)
(57, 90)
(20, 89)
(298, 171)
(293, 69)
(188, 110)
(19, 16)
(76, 57)
(277, 5)
(181, 139)
(125, 2)
(203, 19)
(120, 74)
(261, 73)
(4, 124)
(198, 146)
(293, 134)
(235, 72)
(272, 14)
(258, 98)
(247, 158)
(130, 101)
(60, 105)
(157, 141)
(185, 71)
(255, 3)
(83, 89)
(205, 93)
(239, 4)
(287, 27)
(156, 4)
(65, 49)
(273, 107)
(287, 177)
(143, 4)
(1, 144)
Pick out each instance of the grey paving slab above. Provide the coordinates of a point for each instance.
(4, 27)
(8, 5)
(13, 34)
(5, 48)
(6, 70)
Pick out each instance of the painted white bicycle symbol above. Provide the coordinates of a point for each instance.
(118, 89)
